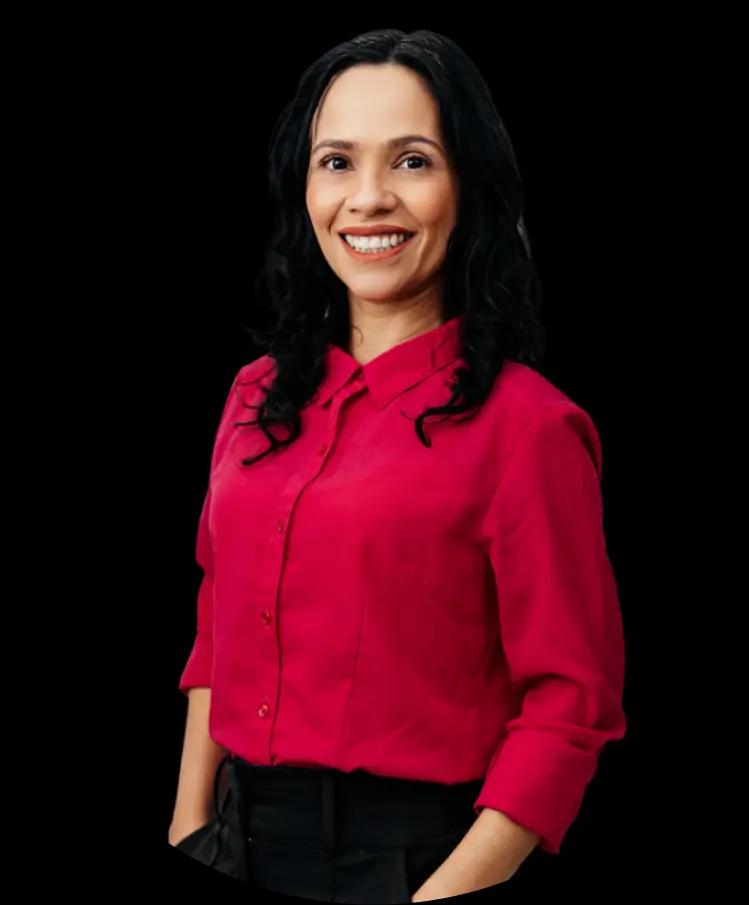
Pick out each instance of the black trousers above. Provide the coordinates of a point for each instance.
(331, 836)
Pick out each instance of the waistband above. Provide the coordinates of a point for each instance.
(333, 808)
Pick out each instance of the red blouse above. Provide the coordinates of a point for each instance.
(445, 613)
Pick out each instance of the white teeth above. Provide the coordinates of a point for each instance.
(374, 243)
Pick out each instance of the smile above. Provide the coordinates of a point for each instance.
(376, 254)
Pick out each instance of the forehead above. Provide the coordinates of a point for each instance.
(370, 103)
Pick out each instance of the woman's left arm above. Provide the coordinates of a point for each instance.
(562, 636)
(489, 853)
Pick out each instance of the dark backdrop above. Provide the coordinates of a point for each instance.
(179, 127)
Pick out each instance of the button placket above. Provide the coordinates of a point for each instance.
(326, 445)
(266, 615)
(281, 522)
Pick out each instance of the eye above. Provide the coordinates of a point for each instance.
(425, 160)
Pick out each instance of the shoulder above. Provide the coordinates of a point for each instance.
(251, 372)
(244, 389)
(525, 391)
(535, 415)
(242, 398)
(250, 378)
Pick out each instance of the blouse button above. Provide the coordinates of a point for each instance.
(322, 449)
(265, 616)
(262, 710)
(279, 525)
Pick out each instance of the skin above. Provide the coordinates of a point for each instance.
(201, 756)
(393, 300)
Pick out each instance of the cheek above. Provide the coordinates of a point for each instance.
(315, 207)
(321, 201)
(434, 206)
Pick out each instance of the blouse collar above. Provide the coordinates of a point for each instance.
(395, 370)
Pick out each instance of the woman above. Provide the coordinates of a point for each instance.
(409, 650)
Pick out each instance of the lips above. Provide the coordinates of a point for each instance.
(378, 230)
(380, 255)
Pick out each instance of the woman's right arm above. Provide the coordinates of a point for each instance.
(201, 757)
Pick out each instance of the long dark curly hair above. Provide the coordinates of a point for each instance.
(489, 274)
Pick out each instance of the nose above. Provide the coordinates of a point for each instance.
(371, 196)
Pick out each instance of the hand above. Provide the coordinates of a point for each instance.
(434, 888)
(181, 829)
(427, 892)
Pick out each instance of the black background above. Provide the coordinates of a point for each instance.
(169, 120)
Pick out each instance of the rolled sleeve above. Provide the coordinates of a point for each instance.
(197, 670)
(560, 624)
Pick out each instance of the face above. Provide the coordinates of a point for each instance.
(369, 182)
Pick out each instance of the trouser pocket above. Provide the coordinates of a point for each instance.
(424, 857)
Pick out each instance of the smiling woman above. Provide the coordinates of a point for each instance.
(412, 644)
(387, 188)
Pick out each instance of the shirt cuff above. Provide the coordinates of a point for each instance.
(538, 780)
(199, 667)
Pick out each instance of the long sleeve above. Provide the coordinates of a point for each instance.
(560, 624)
(198, 668)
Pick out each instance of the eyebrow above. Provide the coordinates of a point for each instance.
(396, 142)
